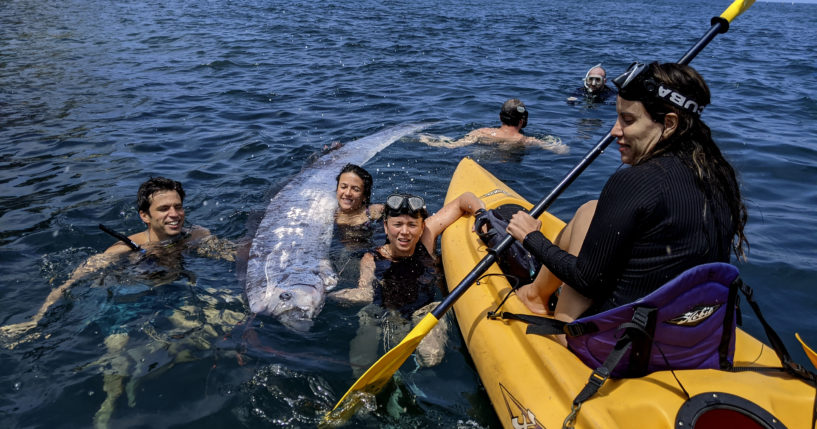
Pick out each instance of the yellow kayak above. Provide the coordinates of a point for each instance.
(532, 380)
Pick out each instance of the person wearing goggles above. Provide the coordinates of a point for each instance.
(355, 216)
(513, 117)
(399, 279)
(676, 206)
(595, 87)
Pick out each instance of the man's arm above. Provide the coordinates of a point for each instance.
(91, 265)
(443, 141)
(553, 144)
(210, 246)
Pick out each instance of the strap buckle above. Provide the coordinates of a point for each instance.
(598, 377)
(573, 329)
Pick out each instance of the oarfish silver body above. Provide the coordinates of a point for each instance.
(288, 269)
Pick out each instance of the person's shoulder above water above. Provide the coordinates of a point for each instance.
(513, 118)
(159, 202)
(354, 193)
(409, 229)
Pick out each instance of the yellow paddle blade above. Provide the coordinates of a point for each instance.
(736, 8)
(381, 372)
(812, 355)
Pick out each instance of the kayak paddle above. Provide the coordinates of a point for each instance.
(381, 371)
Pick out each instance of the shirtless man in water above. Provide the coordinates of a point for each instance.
(160, 206)
(513, 117)
(159, 201)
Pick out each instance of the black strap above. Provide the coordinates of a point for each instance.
(789, 365)
(546, 326)
(122, 237)
(641, 330)
(636, 334)
(514, 287)
(728, 318)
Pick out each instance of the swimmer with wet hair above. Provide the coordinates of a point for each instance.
(513, 117)
(398, 280)
(160, 207)
(356, 217)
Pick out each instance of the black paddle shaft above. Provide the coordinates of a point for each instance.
(719, 25)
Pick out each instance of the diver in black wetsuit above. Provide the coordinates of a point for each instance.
(595, 89)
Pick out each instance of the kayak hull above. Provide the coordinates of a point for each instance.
(531, 380)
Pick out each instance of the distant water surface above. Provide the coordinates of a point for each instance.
(232, 97)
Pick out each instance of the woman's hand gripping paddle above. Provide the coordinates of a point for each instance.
(381, 372)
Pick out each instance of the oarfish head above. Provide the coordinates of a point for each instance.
(296, 295)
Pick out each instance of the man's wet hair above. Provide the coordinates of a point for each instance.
(513, 113)
(153, 185)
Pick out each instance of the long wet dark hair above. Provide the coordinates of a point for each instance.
(364, 175)
(693, 138)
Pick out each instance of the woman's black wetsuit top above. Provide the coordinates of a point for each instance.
(652, 223)
(361, 233)
(405, 284)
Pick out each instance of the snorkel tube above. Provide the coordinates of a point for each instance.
(123, 238)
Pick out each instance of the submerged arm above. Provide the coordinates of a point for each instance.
(443, 141)
(364, 292)
(553, 144)
(210, 246)
(90, 266)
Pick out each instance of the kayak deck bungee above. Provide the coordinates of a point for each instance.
(532, 380)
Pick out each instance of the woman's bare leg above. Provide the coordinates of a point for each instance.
(536, 295)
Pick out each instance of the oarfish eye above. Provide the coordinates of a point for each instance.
(285, 296)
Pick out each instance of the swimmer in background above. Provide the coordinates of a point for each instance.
(595, 89)
(513, 117)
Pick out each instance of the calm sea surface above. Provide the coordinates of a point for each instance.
(231, 97)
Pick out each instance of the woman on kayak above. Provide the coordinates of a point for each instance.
(399, 278)
(678, 205)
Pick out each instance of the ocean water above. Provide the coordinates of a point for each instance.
(231, 97)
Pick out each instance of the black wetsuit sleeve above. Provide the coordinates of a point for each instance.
(624, 202)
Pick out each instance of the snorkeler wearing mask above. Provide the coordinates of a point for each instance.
(399, 279)
(595, 87)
